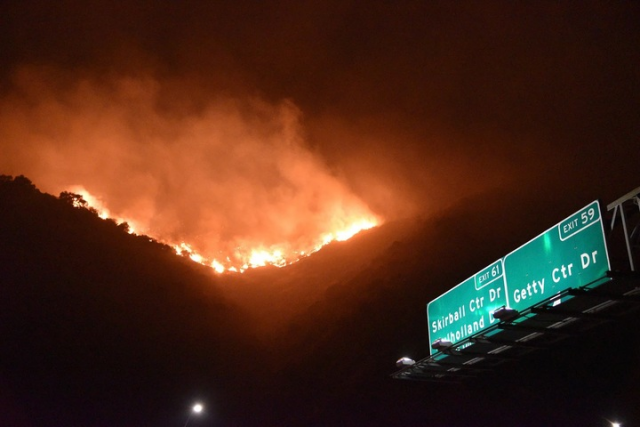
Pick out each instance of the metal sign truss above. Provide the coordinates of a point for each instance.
(561, 316)
(623, 207)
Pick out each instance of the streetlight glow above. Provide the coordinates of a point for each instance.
(197, 408)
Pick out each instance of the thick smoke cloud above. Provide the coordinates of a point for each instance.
(403, 108)
(234, 176)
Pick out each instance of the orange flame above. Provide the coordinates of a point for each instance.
(231, 182)
(244, 257)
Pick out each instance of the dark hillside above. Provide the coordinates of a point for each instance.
(103, 328)
(98, 324)
(274, 295)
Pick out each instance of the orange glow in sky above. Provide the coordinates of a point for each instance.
(232, 184)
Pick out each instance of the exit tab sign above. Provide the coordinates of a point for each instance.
(571, 254)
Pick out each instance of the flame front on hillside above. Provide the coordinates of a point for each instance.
(231, 182)
(242, 258)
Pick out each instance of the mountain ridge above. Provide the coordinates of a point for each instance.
(126, 332)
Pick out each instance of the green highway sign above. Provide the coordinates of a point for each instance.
(571, 254)
(466, 309)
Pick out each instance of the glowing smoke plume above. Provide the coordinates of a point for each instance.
(231, 182)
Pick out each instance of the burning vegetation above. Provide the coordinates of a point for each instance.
(243, 258)
(232, 184)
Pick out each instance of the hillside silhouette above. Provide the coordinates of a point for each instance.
(104, 328)
(90, 313)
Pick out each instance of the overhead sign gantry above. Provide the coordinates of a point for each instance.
(553, 286)
(571, 254)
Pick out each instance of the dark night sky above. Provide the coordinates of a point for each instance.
(487, 120)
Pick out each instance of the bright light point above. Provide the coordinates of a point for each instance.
(197, 408)
(616, 424)
(219, 268)
(196, 257)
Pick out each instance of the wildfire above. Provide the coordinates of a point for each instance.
(243, 258)
(97, 204)
(231, 182)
